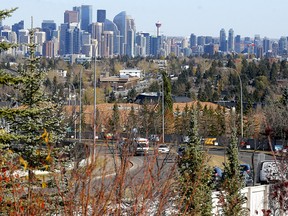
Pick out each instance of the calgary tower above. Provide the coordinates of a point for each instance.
(158, 25)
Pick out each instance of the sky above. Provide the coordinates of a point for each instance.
(179, 18)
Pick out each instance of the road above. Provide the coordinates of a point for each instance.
(163, 166)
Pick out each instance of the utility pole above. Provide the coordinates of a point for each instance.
(95, 97)
(80, 107)
(241, 102)
(163, 111)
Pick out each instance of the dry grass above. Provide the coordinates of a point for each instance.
(216, 160)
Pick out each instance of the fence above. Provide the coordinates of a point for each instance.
(257, 199)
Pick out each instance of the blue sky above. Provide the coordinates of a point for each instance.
(178, 18)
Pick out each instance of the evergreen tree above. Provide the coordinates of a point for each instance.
(185, 118)
(195, 175)
(168, 101)
(37, 114)
(35, 123)
(230, 197)
(132, 121)
(177, 122)
(284, 99)
(114, 121)
(273, 73)
(131, 95)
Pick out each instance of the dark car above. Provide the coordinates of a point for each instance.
(245, 171)
(217, 178)
(217, 174)
(181, 151)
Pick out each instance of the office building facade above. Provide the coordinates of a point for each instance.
(86, 17)
(101, 16)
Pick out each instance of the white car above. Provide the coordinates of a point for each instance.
(163, 148)
(271, 171)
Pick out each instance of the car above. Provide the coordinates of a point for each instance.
(142, 146)
(245, 168)
(154, 138)
(109, 136)
(217, 174)
(163, 148)
(245, 171)
(270, 171)
(185, 139)
(216, 178)
(181, 151)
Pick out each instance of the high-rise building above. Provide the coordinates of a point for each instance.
(231, 40)
(51, 48)
(55, 34)
(155, 45)
(257, 43)
(48, 26)
(184, 43)
(40, 38)
(148, 42)
(209, 49)
(101, 16)
(275, 48)
(140, 45)
(208, 40)
(131, 32)
(71, 16)
(192, 40)
(73, 39)
(62, 42)
(9, 35)
(111, 26)
(24, 36)
(282, 43)
(266, 44)
(96, 33)
(223, 41)
(107, 50)
(18, 26)
(238, 44)
(86, 38)
(86, 17)
(120, 21)
(200, 40)
(78, 9)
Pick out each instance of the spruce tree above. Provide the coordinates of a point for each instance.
(195, 175)
(230, 197)
(114, 121)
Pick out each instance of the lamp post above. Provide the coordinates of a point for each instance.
(74, 107)
(241, 99)
(163, 112)
(95, 97)
(80, 107)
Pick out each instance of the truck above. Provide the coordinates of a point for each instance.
(141, 146)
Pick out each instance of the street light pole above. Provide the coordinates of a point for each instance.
(163, 111)
(95, 97)
(80, 107)
(74, 107)
(241, 101)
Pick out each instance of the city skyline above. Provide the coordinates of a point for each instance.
(259, 17)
